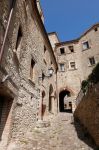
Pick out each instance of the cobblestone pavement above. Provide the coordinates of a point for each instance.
(60, 135)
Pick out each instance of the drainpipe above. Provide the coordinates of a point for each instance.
(7, 28)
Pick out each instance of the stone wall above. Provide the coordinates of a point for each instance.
(71, 78)
(15, 80)
(88, 112)
(92, 37)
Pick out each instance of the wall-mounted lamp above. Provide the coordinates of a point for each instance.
(50, 73)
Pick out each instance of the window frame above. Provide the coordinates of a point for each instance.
(18, 43)
(87, 45)
(62, 48)
(45, 49)
(69, 47)
(32, 65)
(92, 61)
(60, 67)
(96, 29)
(19, 37)
(25, 2)
(72, 68)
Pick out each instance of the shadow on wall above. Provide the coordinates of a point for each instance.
(84, 135)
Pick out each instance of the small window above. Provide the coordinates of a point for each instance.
(44, 49)
(85, 45)
(71, 48)
(32, 69)
(72, 65)
(25, 7)
(43, 76)
(96, 29)
(92, 61)
(11, 4)
(19, 37)
(62, 50)
(45, 62)
(62, 67)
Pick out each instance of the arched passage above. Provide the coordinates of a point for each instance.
(65, 104)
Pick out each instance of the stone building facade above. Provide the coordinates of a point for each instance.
(27, 69)
(75, 59)
(31, 89)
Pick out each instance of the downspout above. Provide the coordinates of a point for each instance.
(7, 29)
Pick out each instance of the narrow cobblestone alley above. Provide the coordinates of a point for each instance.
(60, 135)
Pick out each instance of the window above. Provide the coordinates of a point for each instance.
(62, 50)
(11, 4)
(72, 65)
(43, 76)
(45, 62)
(92, 61)
(96, 29)
(44, 49)
(25, 6)
(71, 48)
(32, 69)
(85, 45)
(62, 67)
(19, 37)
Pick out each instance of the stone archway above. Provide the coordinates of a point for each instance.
(65, 103)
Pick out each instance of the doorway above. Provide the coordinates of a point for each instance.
(5, 118)
(65, 105)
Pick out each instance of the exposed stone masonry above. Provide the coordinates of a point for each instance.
(87, 112)
(61, 134)
(38, 80)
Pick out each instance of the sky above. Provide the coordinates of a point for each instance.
(70, 18)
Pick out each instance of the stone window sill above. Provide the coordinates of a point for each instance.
(72, 69)
(61, 71)
(86, 49)
(91, 65)
(71, 52)
(61, 54)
